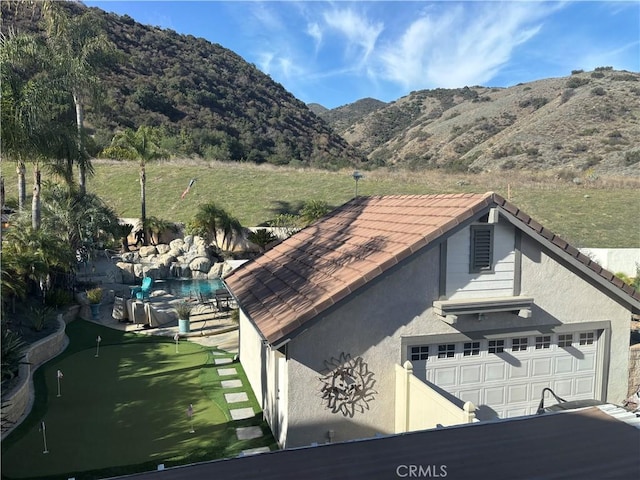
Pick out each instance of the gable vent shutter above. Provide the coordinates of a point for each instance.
(481, 248)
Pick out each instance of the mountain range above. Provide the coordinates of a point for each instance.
(214, 105)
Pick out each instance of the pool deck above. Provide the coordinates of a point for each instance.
(208, 327)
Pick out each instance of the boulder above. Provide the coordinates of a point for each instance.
(162, 248)
(137, 270)
(155, 271)
(130, 257)
(147, 251)
(177, 244)
(215, 271)
(165, 260)
(199, 275)
(188, 241)
(200, 264)
(127, 272)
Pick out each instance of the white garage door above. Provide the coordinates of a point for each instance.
(505, 376)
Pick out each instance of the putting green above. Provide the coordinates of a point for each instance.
(128, 406)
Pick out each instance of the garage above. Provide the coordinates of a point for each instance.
(504, 375)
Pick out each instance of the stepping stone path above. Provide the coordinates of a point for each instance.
(248, 433)
(231, 383)
(236, 397)
(243, 433)
(241, 413)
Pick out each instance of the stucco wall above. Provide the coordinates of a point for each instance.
(378, 321)
(384, 306)
(561, 296)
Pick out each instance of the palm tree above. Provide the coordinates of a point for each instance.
(155, 226)
(206, 220)
(80, 47)
(143, 145)
(211, 219)
(35, 123)
(82, 220)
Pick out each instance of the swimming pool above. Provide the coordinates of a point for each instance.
(191, 288)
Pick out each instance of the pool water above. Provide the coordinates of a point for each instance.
(191, 288)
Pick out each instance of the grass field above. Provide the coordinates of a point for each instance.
(125, 411)
(600, 213)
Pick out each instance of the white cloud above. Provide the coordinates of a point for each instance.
(361, 33)
(314, 31)
(463, 45)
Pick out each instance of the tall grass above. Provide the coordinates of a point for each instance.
(600, 213)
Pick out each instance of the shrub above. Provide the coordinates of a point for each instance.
(588, 132)
(262, 237)
(59, 297)
(580, 148)
(591, 161)
(597, 75)
(603, 69)
(632, 157)
(576, 72)
(536, 102)
(567, 94)
(576, 82)
(625, 77)
(12, 353)
(94, 295)
(598, 91)
(532, 151)
(312, 210)
(39, 315)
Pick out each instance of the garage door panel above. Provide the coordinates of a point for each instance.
(540, 367)
(470, 374)
(535, 389)
(562, 364)
(563, 388)
(587, 362)
(495, 371)
(521, 371)
(471, 395)
(446, 376)
(517, 393)
(495, 396)
(584, 385)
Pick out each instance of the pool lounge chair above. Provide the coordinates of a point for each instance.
(142, 292)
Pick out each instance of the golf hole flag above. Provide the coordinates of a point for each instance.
(191, 182)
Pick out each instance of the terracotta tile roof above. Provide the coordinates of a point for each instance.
(330, 259)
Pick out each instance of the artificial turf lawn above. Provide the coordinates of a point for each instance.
(125, 410)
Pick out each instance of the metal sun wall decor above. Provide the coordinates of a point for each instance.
(347, 387)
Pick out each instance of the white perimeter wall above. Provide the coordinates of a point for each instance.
(615, 260)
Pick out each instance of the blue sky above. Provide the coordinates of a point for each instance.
(334, 53)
